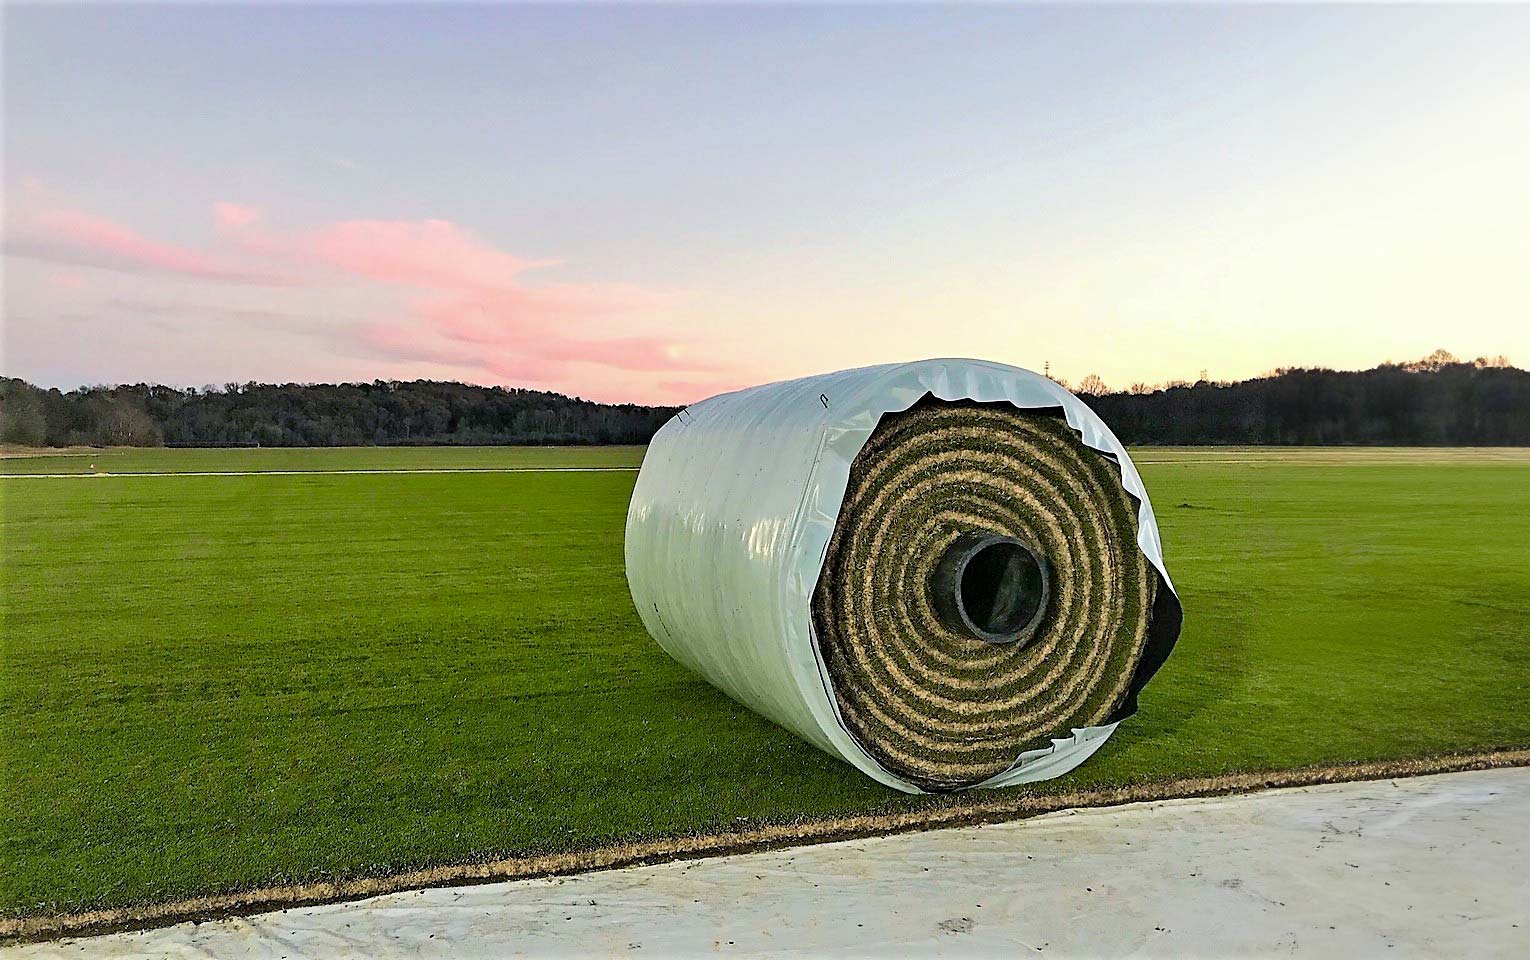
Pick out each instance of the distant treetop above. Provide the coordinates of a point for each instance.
(1438, 400)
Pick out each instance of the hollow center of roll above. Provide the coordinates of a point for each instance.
(991, 587)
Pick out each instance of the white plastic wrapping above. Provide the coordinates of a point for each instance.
(733, 511)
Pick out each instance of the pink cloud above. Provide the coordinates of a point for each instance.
(547, 352)
(403, 341)
(477, 300)
(688, 391)
(82, 239)
(459, 300)
(529, 322)
(435, 254)
(649, 354)
(532, 371)
(429, 254)
(234, 215)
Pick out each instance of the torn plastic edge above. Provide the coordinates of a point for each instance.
(841, 441)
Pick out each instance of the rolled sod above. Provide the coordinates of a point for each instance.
(983, 591)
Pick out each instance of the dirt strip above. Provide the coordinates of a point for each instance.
(980, 809)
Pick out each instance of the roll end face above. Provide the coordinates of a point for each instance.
(993, 588)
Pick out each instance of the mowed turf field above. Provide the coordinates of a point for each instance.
(18, 461)
(217, 682)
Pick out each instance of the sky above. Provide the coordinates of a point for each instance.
(655, 204)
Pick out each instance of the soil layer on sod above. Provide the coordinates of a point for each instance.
(222, 684)
(997, 807)
(939, 698)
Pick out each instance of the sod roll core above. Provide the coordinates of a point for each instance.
(990, 587)
(946, 573)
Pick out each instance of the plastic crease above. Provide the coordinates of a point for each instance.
(732, 514)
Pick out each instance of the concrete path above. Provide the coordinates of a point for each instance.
(1432, 866)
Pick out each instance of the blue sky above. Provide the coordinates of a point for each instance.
(655, 203)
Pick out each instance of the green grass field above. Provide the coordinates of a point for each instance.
(274, 459)
(217, 682)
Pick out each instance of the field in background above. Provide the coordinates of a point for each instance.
(21, 460)
(215, 682)
(27, 461)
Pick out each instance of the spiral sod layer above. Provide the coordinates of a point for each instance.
(935, 703)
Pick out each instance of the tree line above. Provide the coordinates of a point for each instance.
(1435, 401)
(380, 413)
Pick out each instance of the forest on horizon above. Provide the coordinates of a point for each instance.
(1436, 401)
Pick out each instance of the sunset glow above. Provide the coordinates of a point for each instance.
(658, 204)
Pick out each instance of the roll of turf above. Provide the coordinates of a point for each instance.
(946, 573)
(947, 648)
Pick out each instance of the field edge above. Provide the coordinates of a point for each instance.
(747, 840)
